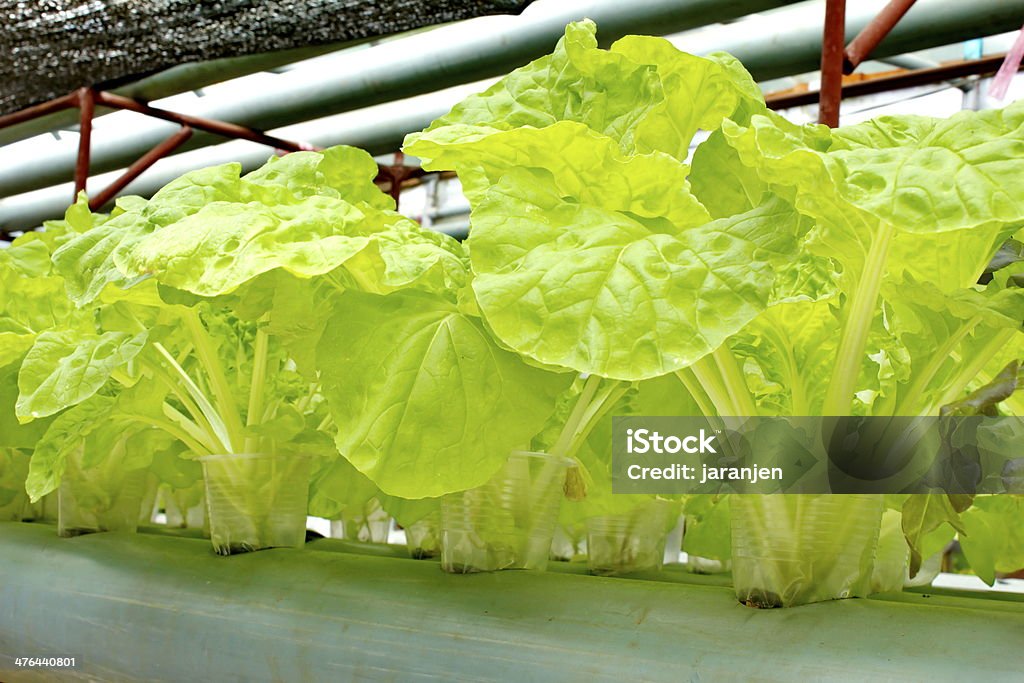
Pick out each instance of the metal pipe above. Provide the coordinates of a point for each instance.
(872, 34)
(830, 94)
(86, 108)
(140, 166)
(911, 79)
(223, 128)
(424, 62)
(69, 101)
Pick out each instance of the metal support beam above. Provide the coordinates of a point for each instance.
(793, 45)
(832, 62)
(140, 166)
(872, 34)
(39, 111)
(222, 128)
(911, 79)
(86, 108)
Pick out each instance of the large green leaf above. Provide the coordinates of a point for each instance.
(707, 532)
(993, 535)
(425, 402)
(12, 433)
(942, 193)
(65, 434)
(66, 367)
(227, 243)
(606, 91)
(606, 264)
(213, 230)
(923, 514)
(699, 93)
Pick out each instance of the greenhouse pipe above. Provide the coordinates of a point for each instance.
(832, 63)
(421, 63)
(146, 607)
(872, 34)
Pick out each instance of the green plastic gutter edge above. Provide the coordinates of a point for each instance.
(150, 607)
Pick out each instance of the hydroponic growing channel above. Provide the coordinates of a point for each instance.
(240, 351)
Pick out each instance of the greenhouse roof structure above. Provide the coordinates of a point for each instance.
(51, 47)
(370, 95)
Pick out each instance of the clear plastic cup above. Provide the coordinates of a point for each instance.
(256, 501)
(186, 508)
(629, 542)
(508, 522)
(569, 543)
(43, 510)
(368, 523)
(87, 505)
(794, 549)
(423, 538)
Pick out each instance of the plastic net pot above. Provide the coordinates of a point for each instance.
(256, 501)
(791, 550)
(13, 471)
(185, 508)
(43, 510)
(569, 543)
(508, 522)
(423, 538)
(629, 542)
(92, 504)
(367, 523)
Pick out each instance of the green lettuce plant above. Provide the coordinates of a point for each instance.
(788, 270)
(200, 300)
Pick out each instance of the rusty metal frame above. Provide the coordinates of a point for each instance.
(87, 99)
(871, 35)
(985, 66)
(832, 44)
(837, 60)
